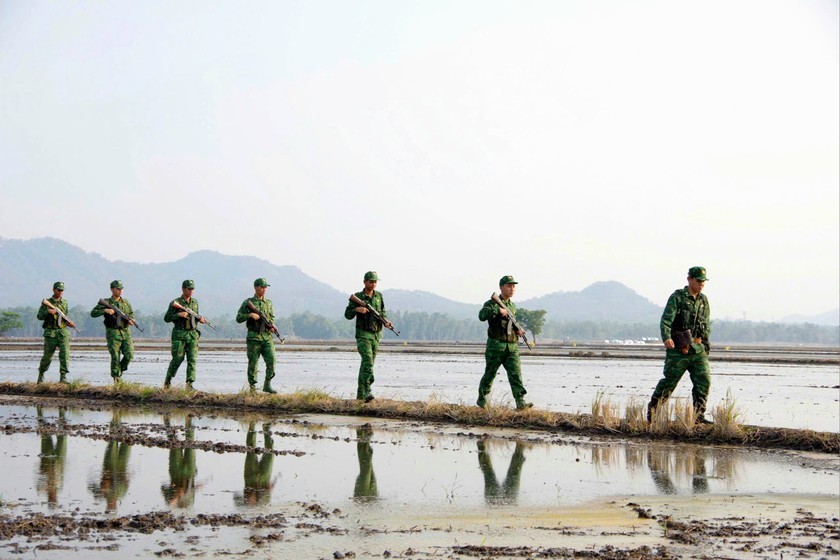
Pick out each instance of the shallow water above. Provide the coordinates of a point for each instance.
(334, 475)
(790, 396)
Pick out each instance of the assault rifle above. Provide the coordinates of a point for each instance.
(271, 326)
(192, 313)
(512, 320)
(121, 313)
(355, 299)
(61, 314)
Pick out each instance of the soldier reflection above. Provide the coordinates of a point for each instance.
(665, 463)
(53, 453)
(258, 481)
(113, 484)
(180, 492)
(508, 491)
(365, 489)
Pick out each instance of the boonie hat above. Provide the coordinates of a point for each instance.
(697, 272)
(261, 283)
(117, 284)
(507, 280)
(371, 275)
(188, 284)
(58, 286)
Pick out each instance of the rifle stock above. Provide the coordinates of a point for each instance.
(495, 297)
(189, 311)
(355, 299)
(61, 314)
(271, 326)
(120, 312)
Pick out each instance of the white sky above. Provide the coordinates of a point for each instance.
(443, 144)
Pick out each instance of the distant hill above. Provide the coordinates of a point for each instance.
(28, 269)
(829, 318)
(417, 300)
(601, 301)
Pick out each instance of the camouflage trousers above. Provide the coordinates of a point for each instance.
(121, 348)
(184, 345)
(56, 338)
(367, 344)
(496, 354)
(676, 364)
(256, 346)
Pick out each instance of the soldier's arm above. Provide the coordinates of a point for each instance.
(42, 312)
(97, 311)
(668, 316)
(350, 311)
(242, 314)
(489, 311)
(171, 314)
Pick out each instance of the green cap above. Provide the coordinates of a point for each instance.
(58, 286)
(507, 280)
(697, 272)
(261, 283)
(371, 275)
(117, 284)
(188, 284)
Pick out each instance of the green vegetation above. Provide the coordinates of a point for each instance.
(532, 321)
(9, 320)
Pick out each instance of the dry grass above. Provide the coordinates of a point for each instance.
(673, 420)
(635, 415)
(727, 417)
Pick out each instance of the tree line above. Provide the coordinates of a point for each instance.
(418, 325)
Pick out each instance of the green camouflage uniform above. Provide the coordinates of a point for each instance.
(507, 492)
(180, 491)
(259, 341)
(185, 336)
(502, 350)
(368, 334)
(365, 487)
(686, 312)
(117, 335)
(55, 336)
(257, 472)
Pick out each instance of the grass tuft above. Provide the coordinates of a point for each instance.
(727, 418)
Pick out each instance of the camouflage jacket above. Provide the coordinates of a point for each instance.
(53, 321)
(114, 321)
(258, 326)
(498, 327)
(366, 321)
(180, 323)
(686, 312)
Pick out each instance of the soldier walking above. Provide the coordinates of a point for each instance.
(259, 341)
(117, 333)
(368, 332)
(55, 333)
(185, 333)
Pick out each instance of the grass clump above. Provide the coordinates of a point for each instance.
(727, 417)
(604, 412)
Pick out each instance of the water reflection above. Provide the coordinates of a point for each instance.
(258, 468)
(180, 492)
(113, 482)
(52, 457)
(508, 491)
(688, 463)
(365, 489)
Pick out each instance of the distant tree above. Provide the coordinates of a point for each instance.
(310, 326)
(9, 320)
(533, 321)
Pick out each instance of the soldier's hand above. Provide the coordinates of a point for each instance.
(388, 325)
(254, 316)
(361, 310)
(108, 311)
(202, 320)
(72, 324)
(669, 344)
(503, 312)
(51, 311)
(182, 314)
(520, 332)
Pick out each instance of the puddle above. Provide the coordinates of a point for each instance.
(324, 484)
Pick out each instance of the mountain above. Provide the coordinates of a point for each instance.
(28, 269)
(601, 301)
(829, 318)
(418, 300)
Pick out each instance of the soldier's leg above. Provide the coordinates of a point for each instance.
(50, 345)
(374, 347)
(701, 381)
(127, 349)
(191, 351)
(270, 358)
(514, 375)
(672, 372)
(252, 349)
(178, 348)
(114, 344)
(363, 345)
(493, 356)
(64, 355)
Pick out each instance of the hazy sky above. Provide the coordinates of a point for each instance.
(443, 144)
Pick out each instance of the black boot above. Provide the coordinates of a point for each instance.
(267, 387)
(40, 377)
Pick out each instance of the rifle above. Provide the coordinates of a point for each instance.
(512, 320)
(271, 326)
(189, 311)
(61, 314)
(355, 299)
(121, 313)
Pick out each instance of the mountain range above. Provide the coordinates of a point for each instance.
(29, 267)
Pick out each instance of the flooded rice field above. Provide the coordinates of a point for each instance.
(768, 394)
(94, 480)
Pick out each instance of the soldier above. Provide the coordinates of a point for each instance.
(259, 341)
(117, 333)
(502, 346)
(368, 332)
(184, 333)
(55, 333)
(685, 327)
